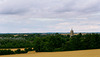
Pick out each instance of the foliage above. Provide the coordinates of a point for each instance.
(59, 43)
(50, 42)
(7, 52)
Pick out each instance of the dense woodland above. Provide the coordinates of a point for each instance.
(51, 42)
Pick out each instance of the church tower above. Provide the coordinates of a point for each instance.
(71, 33)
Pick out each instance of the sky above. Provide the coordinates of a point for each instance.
(37, 16)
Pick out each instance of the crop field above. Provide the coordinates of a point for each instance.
(80, 53)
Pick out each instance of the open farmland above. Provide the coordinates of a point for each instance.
(80, 53)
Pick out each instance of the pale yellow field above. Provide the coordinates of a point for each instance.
(81, 53)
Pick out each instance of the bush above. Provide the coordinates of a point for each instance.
(6, 52)
(30, 49)
(58, 49)
(18, 51)
(26, 50)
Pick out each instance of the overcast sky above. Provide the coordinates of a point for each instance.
(29, 16)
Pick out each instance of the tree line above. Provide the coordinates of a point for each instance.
(14, 43)
(51, 42)
(60, 43)
(18, 51)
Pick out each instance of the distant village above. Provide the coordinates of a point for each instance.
(71, 33)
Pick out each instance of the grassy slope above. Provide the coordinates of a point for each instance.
(81, 53)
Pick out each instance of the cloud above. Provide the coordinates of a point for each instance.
(49, 15)
(79, 8)
(14, 6)
(53, 7)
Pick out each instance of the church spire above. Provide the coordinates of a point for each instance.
(71, 33)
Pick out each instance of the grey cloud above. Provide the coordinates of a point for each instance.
(15, 6)
(49, 8)
(81, 6)
(40, 15)
(12, 11)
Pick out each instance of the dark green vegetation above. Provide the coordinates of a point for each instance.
(6, 52)
(65, 43)
(50, 42)
(20, 41)
(14, 43)
(18, 51)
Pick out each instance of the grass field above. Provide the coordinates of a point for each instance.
(80, 53)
